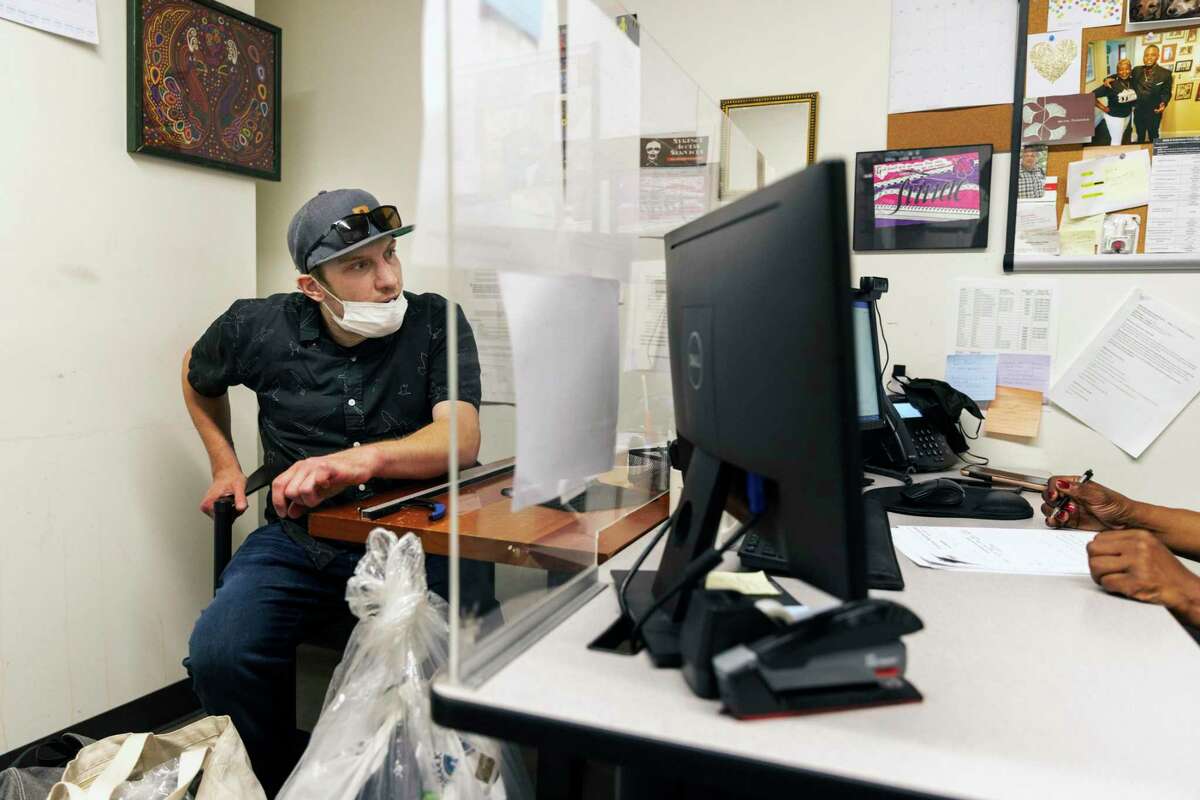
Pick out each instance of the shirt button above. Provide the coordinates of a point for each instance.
(350, 402)
(358, 444)
(362, 487)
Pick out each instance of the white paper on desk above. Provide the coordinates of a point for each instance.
(1109, 183)
(73, 18)
(1004, 316)
(1018, 551)
(1173, 224)
(1136, 375)
(566, 366)
(646, 347)
(1052, 63)
(978, 37)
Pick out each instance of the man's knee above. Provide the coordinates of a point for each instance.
(213, 661)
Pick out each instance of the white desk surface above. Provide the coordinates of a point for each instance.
(1034, 687)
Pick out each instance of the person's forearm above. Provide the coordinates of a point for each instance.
(210, 415)
(1177, 528)
(425, 453)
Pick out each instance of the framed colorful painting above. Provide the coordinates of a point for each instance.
(929, 198)
(204, 86)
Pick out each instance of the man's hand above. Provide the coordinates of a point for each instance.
(1160, 108)
(1092, 507)
(308, 483)
(228, 481)
(1109, 81)
(1136, 564)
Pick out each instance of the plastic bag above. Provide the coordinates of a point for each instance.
(375, 738)
(155, 784)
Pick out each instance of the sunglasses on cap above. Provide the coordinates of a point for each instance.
(353, 228)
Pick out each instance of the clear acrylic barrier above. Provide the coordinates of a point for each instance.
(560, 144)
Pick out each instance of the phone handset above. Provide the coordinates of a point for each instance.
(899, 446)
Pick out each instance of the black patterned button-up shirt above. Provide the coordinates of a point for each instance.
(316, 397)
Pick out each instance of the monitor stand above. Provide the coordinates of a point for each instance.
(694, 532)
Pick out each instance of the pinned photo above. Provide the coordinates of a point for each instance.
(1135, 93)
(1162, 13)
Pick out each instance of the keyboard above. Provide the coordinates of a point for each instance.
(883, 571)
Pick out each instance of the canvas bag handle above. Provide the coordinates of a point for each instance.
(118, 770)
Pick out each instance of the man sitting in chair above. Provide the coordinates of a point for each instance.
(351, 378)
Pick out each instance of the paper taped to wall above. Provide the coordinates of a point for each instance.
(978, 36)
(1136, 376)
(1005, 316)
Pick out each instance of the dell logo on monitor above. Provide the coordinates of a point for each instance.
(695, 360)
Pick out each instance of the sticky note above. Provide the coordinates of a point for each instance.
(753, 583)
(1024, 371)
(1014, 412)
(973, 374)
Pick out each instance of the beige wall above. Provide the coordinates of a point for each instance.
(351, 114)
(113, 266)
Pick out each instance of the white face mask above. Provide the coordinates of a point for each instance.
(371, 320)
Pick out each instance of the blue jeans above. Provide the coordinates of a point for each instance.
(271, 597)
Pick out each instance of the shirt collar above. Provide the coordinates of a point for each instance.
(310, 322)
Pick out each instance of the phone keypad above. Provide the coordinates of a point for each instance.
(927, 443)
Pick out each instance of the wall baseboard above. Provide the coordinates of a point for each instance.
(153, 712)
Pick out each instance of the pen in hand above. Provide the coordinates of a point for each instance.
(1062, 501)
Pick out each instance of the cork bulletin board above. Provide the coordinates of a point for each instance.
(1034, 20)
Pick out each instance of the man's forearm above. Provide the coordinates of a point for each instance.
(423, 454)
(1177, 528)
(210, 415)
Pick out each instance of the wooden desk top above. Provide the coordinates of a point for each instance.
(490, 531)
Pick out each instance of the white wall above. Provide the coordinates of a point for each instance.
(113, 266)
(736, 48)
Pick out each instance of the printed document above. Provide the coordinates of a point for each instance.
(1017, 551)
(1173, 225)
(1136, 375)
(646, 347)
(73, 18)
(1005, 316)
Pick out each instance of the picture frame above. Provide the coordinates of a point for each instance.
(1186, 50)
(1183, 66)
(1167, 54)
(184, 59)
(928, 198)
(790, 119)
(1183, 91)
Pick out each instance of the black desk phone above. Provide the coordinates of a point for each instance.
(914, 443)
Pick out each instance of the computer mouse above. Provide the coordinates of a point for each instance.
(938, 492)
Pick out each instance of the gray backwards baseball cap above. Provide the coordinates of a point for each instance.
(311, 226)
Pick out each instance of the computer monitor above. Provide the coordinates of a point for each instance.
(866, 366)
(763, 373)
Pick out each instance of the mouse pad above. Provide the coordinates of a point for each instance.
(979, 502)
